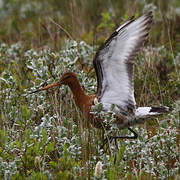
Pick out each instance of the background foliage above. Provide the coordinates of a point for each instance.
(43, 136)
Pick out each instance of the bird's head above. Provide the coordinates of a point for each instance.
(66, 79)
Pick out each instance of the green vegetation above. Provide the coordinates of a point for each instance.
(44, 136)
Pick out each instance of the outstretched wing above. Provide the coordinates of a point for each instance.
(114, 64)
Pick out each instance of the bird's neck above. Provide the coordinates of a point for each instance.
(83, 101)
(76, 89)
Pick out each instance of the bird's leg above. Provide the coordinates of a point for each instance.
(110, 138)
(115, 141)
(127, 137)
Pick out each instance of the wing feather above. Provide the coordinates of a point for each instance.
(114, 64)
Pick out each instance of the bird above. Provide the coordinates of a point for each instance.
(114, 67)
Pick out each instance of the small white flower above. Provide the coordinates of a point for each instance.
(40, 107)
(53, 54)
(37, 160)
(98, 169)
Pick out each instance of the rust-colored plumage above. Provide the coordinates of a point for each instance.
(83, 101)
(114, 66)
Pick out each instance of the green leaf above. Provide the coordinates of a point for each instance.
(50, 147)
(53, 164)
(37, 147)
(44, 134)
(25, 112)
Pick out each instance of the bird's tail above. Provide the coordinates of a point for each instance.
(142, 114)
(148, 112)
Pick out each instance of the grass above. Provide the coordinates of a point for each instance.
(44, 136)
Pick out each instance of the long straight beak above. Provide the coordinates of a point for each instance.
(46, 87)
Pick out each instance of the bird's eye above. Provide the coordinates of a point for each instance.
(67, 77)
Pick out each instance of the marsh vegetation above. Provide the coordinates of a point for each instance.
(43, 136)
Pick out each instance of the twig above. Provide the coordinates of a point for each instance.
(61, 28)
